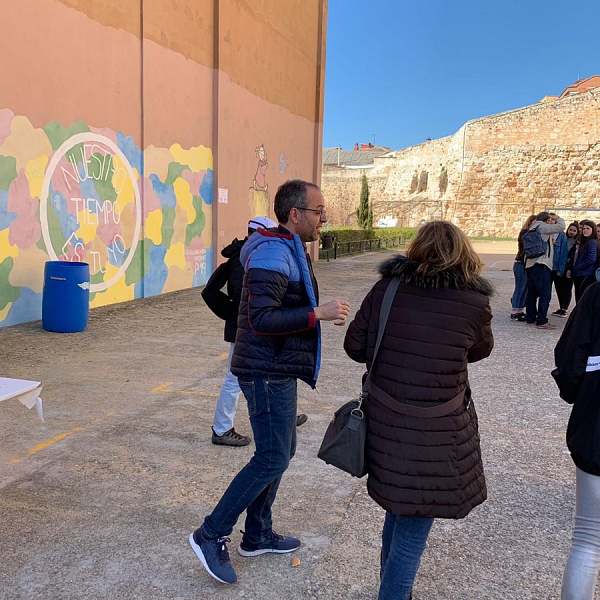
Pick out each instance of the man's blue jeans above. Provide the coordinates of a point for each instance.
(272, 404)
(403, 543)
(539, 285)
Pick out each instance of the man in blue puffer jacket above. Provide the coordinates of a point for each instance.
(278, 342)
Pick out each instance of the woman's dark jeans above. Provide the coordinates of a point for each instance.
(564, 290)
(403, 543)
(520, 293)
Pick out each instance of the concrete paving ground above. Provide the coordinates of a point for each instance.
(98, 501)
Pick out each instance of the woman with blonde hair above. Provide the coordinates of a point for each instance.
(520, 294)
(423, 441)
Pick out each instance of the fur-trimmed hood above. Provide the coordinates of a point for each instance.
(405, 269)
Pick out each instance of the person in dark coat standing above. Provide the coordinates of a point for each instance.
(225, 306)
(423, 467)
(577, 358)
(564, 247)
(584, 269)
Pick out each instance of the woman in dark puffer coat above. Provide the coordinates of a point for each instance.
(423, 467)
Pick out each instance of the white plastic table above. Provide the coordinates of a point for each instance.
(26, 392)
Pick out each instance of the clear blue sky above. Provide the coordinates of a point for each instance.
(406, 70)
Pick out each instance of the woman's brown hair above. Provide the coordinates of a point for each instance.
(529, 221)
(593, 236)
(441, 246)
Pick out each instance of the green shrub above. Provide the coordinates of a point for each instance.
(350, 234)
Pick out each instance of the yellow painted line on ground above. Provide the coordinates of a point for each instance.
(163, 387)
(55, 439)
(224, 355)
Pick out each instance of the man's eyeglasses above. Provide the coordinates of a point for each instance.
(321, 213)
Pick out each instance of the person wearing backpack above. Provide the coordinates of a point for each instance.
(539, 250)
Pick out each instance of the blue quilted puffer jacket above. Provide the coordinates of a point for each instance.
(278, 333)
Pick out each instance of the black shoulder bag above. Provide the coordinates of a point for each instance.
(343, 445)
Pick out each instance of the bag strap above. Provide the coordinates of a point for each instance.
(384, 313)
(409, 410)
(406, 409)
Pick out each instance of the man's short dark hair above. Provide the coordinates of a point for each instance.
(544, 216)
(291, 194)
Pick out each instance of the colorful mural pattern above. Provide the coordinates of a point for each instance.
(142, 220)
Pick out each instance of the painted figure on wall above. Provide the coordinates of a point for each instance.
(260, 178)
(259, 191)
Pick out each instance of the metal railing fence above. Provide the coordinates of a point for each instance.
(359, 246)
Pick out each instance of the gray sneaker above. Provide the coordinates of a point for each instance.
(547, 325)
(214, 556)
(230, 438)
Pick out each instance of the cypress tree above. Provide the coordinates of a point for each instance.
(364, 212)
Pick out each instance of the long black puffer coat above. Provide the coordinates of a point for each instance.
(424, 467)
(577, 357)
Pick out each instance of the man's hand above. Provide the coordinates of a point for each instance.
(336, 311)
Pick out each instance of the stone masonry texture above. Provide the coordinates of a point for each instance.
(490, 175)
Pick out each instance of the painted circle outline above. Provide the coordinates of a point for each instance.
(78, 138)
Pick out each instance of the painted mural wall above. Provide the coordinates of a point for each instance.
(131, 155)
(75, 194)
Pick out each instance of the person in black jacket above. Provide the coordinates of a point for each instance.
(584, 267)
(225, 306)
(577, 358)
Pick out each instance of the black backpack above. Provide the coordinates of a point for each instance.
(533, 243)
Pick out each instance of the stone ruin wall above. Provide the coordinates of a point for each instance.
(500, 169)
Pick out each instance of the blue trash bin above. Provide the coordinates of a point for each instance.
(66, 297)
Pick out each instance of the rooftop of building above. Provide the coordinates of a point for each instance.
(362, 156)
(581, 85)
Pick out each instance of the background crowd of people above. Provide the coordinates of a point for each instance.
(571, 263)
